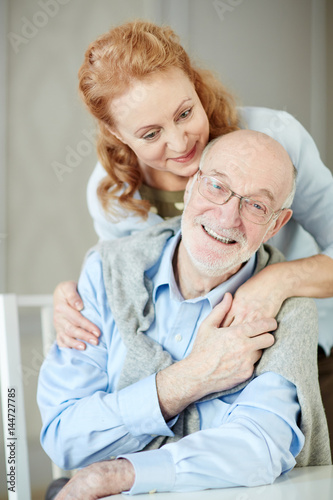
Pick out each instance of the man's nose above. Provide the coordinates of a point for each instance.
(228, 213)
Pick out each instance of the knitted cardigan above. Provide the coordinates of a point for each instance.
(293, 355)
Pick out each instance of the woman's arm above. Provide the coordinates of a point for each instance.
(70, 325)
(263, 294)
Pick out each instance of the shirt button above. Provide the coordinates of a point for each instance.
(178, 337)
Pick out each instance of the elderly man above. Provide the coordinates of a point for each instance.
(169, 379)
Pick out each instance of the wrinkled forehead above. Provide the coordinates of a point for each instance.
(249, 173)
(226, 163)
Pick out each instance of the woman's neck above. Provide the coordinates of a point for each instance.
(165, 181)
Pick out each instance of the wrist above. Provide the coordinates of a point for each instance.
(280, 280)
(126, 474)
(177, 388)
(116, 476)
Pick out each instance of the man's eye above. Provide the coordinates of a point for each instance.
(216, 186)
(258, 206)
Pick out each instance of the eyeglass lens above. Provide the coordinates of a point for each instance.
(218, 193)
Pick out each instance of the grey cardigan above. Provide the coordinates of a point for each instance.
(294, 354)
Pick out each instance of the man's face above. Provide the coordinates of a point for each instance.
(217, 238)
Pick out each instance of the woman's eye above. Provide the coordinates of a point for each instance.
(185, 114)
(151, 135)
(216, 186)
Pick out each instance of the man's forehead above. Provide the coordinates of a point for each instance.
(226, 163)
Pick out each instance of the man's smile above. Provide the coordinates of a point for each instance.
(218, 237)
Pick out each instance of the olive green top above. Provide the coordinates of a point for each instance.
(164, 203)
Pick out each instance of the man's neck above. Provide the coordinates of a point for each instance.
(191, 281)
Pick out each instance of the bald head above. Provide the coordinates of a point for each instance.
(257, 155)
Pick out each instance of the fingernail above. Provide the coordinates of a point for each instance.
(78, 305)
(93, 341)
(96, 333)
(80, 346)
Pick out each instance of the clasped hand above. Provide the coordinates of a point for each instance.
(221, 358)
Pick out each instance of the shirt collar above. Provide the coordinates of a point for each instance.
(164, 276)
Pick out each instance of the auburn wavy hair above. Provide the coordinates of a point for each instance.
(130, 52)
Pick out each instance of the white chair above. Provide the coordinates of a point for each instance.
(12, 395)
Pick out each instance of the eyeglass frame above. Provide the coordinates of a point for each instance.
(275, 215)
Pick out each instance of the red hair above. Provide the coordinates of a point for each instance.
(130, 52)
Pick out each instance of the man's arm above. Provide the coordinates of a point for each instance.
(256, 440)
(86, 419)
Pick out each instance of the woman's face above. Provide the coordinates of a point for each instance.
(162, 120)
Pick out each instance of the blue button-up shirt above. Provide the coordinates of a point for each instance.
(86, 419)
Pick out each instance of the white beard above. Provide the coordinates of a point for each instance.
(228, 260)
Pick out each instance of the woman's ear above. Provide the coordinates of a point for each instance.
(118, 136)
(281, 221)
(115, 132)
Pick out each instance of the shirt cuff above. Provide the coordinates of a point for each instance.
(140, 409)
(154, 471)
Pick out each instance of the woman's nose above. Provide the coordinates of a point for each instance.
(177, 141)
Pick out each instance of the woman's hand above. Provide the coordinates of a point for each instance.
(259, 297)
(263, 295)
(69, 323)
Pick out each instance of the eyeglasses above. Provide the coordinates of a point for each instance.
(217, 192)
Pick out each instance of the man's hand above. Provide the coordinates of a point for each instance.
(221, 358)
(99, 480)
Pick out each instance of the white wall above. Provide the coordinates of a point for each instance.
(3, 136)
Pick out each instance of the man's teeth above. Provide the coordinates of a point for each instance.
(217, 236)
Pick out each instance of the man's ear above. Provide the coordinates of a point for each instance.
(281, 221)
